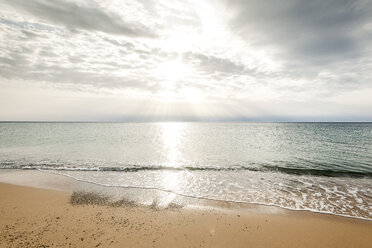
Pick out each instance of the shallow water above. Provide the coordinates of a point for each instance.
(325, 167)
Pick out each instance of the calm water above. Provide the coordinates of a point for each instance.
(324, 167)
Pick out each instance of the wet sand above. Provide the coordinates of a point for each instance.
(31, 217)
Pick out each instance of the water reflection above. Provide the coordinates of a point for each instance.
(172, 138)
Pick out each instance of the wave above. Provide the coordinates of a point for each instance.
(319, 172)
(138, 168)
(199, 197)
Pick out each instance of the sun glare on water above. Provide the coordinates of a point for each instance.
(172, 137)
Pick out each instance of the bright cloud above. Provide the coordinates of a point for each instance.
(186, 60)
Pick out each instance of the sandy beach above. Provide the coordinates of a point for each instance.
(31, 217)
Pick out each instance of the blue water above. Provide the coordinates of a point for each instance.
(325, 167)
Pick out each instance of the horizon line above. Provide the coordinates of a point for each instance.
(174, 121)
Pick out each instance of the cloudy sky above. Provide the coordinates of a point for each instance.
(227, 60)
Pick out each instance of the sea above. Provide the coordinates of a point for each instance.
(318, 167)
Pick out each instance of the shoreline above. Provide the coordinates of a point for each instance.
(44, 217)
(60, 182)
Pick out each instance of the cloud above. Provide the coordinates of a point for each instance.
(319, 31)
(74, 15)
(231, 60)
(211, 64)
(19, 66)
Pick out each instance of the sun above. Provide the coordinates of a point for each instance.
(175, 77)
(173, 71)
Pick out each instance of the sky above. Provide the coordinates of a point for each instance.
(190, 60)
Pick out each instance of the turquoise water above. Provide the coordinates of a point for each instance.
(325, 167)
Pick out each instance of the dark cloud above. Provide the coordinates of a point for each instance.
(318, 31)
(18, 65)
(78, 16)
(30, 35)
(32, 27)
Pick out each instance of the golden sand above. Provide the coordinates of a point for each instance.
(32, 217)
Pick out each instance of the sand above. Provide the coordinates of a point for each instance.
(31, 217)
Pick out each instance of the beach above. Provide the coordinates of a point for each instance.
(185, 185)
(186, 124)
(33, 217)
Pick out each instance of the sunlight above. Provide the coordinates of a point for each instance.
(188, 94)
(172, 136)
(173, 74)
(173, 71)
(171, 180)
(182, 40)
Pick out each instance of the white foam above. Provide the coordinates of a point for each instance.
(261, 194)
